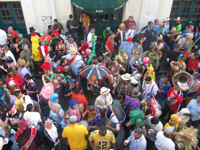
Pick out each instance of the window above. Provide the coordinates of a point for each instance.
(186, 9)
(117, 15)
(5, 12)
(196, 13)
(175, 9)
(17, 9)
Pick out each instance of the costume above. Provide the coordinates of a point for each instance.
(102, 102)
(132, 103)
(75, 60)
(35, 47)
(136, 116)
(187, 138)
(27, 138)
(83, 48)
(192, 65)
(122, 58)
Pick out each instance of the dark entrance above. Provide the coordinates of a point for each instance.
(11, 15)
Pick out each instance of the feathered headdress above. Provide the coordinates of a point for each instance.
(187, 138)
(132, 102)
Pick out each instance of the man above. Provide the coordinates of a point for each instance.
(57, 25)
(19, 101)
(105, 100)
(194, 108)
(59, 76)
(93, 117)
(149, 85)
(178, 25)
(136, 140)
(102, 139)
(33, 117)
(45, 37)
(3, 37)
(127, 46)
(23, 41)
(89, 37)
(163, 142)
(107, 60)
(107, 32)
(192, 63)
(50, 134)
(110, 44)
(85, 24)
(61, 66)
(90, 56)
(72, 26)
(130, 22)
(14, 33)
(130, 32)
(172, 104)
(75, 135)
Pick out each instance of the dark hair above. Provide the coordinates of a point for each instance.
(27, 76)
(14, 40)
(49, 27)
(29, 107)
(17, 92)
(140, 68)
(91, 108)
(62, 60)
(55, 20)
(102, 128)
(50, 118)
(148, 111)
(148, 78)
(100, 58)
(56, 59)
(92, 28)
(155, 120)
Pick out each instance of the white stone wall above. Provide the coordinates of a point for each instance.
(147, 10)
(41, 13)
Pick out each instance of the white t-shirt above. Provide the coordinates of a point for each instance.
(9, 53)
(3, 37)
(164, 143)
(53, 133)
(89, 39)
(147, 88)
(33, 117)
(27, 101)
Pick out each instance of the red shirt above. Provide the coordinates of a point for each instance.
(110, 45)
(15, 34)
(179, 99)
(193, 64)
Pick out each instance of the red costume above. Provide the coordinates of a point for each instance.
(80, 98)
(17, 79)
(83, 48)
(174, 103)
(193, 64)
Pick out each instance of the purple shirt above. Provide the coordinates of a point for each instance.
(97, 119)
(23, 72)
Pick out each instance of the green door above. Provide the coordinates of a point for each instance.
(101, 21)
(188, 10)
(11, 15)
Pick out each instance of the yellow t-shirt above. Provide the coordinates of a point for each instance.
(102, 143)
(19, 103)
(75, 135)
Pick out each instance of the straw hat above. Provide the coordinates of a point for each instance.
(73, 50)
(104, 90)
(126, 77)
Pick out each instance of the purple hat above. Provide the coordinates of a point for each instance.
(132, 102)
(9, 60)
(149, 96)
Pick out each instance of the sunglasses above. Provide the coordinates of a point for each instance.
(48, 123)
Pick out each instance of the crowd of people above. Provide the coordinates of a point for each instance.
(148, 100)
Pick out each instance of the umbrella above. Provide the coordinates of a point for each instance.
(94, 72)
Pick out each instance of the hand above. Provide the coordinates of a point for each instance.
(31, 56)
(126, 142)
(71, 27)
(57, 141)
(152, 131)
(107, 126)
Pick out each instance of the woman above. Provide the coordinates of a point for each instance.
(135, 60)
(56, 112)
(31, 87)
(60, 48)
(138, 42)
(153, 56)
(135, 92)
(85, 24)
(15, 48)
(73, 109)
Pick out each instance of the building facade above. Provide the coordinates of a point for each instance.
(22, 14)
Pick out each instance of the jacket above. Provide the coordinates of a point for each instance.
(46, 139)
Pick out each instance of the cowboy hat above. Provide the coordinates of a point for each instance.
(104, 90)
(126, 77)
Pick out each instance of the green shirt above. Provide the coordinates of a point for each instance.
(62, 76)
